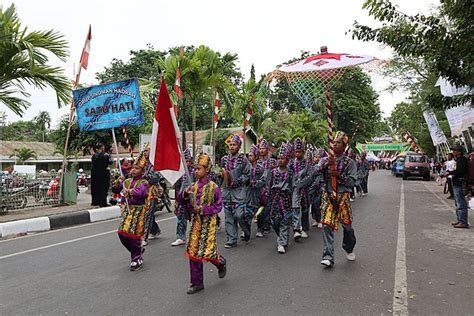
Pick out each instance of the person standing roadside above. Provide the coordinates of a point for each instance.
(459, 180)
(100, 176)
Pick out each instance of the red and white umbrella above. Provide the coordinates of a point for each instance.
(311, 78)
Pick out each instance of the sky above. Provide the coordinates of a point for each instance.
(263, 33)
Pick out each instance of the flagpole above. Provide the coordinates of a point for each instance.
(211, 141)
(68, 133)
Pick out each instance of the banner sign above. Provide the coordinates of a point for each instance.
(460, 118)
(108, 105)
(384, 147)
(436, 133)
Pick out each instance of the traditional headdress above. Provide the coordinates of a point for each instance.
(204, 160)
(148, 146)
(254, 150)
(298, 144)
(309, 153)
(141, 161)
(284, 152)
(263, 143)
(321, 152)
(236, 139)
(344, 137)
(187, 154)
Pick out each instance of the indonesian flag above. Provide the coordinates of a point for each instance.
(85, 51)
(177, 84)
(164, 152)
(247, 118)
(216, 110)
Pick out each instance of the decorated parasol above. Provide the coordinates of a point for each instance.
(311, 78)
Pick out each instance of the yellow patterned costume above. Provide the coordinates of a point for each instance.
(132, 223)
(331, 215)
(202, 245)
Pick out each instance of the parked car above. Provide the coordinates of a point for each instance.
(398, 167)
(416, 165)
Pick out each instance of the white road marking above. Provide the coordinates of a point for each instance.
(68, 242)
(441, 200)
(400, 296)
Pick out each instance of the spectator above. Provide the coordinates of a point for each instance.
(459, 180)
(100, 176)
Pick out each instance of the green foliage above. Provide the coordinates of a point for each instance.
(443, 41)
(85, 142)
(24, 61)
(356, 110)
(408, 117)
(25, 131)
(43, 122)
(22, 154)
(310, 127)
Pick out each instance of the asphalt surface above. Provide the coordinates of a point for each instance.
(84, 270)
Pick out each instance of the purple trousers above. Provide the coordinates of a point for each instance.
(133, 245)
(197, 273)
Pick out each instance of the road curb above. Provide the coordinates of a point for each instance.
(57, 221)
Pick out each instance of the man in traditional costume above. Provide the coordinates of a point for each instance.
(133, 219)
(336, 206)
(235, 175)
(316, 187)
(255, 187)
(279, 186)
(268, 163)
(181, 212)
(204, 199)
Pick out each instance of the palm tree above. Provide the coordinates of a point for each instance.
(43, 121)
(23, 60)
(202, 72)
(23, 154)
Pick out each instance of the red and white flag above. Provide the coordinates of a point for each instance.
(164, 152)
(85, 51)
(216, 110)
(177, 84)
(247, 118)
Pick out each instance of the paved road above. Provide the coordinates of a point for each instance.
(85, 270)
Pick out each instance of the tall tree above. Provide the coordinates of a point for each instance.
(24, 60)
(43, 121)
(444, 40)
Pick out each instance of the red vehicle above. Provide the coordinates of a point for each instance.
(416, 165)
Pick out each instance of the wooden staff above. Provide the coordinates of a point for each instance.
(331, 142)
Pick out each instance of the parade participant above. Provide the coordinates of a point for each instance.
(363, 173)
(181, 212)
(99, 175)
(300, 197)
(336, 208)
(459, 180)
(152, 230)
(204, 198)
(132, 224)
(235, 175)
(315, 188)
(351, 154)
(279, 186)
(255, 186)
(268, 163)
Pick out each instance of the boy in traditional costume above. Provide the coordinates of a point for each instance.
(155, 192)
(255, 186)
(235, 175)
(336, 207)
(279, 191)
(204, 198)
(181, 212)
(268, 163)
(132, 224)
(300, 197)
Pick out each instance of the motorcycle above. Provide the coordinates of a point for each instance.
(165, 197)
